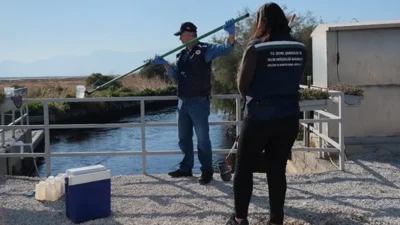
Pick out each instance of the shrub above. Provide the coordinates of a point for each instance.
(36, 108)
(97, 79)
(313, 94)
(348, 89)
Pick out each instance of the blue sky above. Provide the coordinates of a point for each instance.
(33, 30)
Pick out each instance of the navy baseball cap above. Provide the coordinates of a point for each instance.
(187, 26)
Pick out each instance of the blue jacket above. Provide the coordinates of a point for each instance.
(269, 77)
(192, 68)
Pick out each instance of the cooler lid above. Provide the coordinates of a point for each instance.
(89, 177)
(84, 170)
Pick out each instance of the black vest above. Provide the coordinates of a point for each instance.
(274, 90)
(194, 72)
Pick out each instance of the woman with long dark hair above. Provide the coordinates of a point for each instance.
(268, 79)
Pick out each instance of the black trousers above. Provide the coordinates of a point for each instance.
(276, 137)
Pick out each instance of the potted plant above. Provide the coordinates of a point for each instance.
(313, 99)
(353, 94)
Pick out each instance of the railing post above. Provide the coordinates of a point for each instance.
(27, 114)
(238, 115)
(320, 154)
(47, 138)
(143, 135)
(3, 132)
(307, 116)
(341, 133)
(320, 138)
(13, 122)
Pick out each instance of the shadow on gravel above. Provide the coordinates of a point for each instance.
(295, 216)
(392, 159)
(331, 218)
(46, 217)
(217, 184)
(379, 177)
(326, 218)
(381, 212)
(378, 180)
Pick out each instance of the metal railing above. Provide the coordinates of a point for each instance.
(23, 114)
(14, 120)
(338, 147)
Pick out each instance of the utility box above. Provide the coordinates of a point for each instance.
(366, 55)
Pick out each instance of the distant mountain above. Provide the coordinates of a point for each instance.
(102, 61)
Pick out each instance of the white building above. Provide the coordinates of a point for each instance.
(369, 56)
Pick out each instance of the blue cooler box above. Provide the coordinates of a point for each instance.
(87, 193)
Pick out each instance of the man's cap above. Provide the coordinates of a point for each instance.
(187, 26)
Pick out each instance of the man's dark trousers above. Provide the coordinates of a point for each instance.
(194, 112)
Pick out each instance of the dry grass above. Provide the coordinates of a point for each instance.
(139, 82)
(56, 88)
(44, 88)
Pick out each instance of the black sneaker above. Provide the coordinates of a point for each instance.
(206, 177)
(180, 173)
(232, 221)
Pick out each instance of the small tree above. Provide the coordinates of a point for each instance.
(97, 79)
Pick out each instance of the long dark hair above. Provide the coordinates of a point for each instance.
(271, 21)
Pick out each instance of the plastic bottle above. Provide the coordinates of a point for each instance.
(59, 183)
(40, 191)
(51, 191)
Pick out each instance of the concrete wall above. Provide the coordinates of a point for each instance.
(370, 59)
(320, 67)
(367, 57)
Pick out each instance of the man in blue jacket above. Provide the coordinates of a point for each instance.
(192, 72)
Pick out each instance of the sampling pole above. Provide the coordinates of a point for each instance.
(166, 54)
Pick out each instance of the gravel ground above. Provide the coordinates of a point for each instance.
(368, 193)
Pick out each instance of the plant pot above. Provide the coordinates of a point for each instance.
(309, 105)
(349, 100)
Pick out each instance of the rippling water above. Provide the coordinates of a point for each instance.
(129, 139)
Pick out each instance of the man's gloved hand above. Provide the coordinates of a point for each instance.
(159, 60)
(230, 26)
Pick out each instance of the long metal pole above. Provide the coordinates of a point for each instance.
(168, 53)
